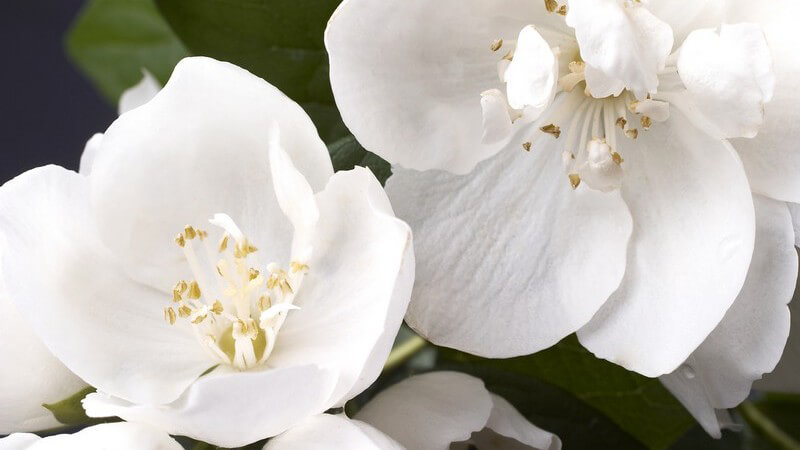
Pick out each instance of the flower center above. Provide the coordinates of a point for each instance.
(235, 306)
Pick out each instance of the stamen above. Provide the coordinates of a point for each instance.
(526, 146)
(552, 129)
(496, 45)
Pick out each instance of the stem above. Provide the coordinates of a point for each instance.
(767, 427)
(404, 352)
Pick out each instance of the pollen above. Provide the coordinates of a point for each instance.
(551, 129)
(496, 45)
(574, 180)
(526, 146)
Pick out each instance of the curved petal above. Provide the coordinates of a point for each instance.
(689, 253)
(105, 328)
(139, 94)
(119, 436)
(729, 78)
(327, 431)
(531, 77)
(200, 147)
(31, 375)
(229, 408)
(357, 288)
(623, 40)
(90, 153)
(750, 339)
(510, 259)
(430, 411)
(507, 421)
(410, 92)
(771, 159)
(685, 16)
(601, 85)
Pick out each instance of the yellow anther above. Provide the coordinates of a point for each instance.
(176, 296)
(297, 267)
(526, 146)
(180, 240)
(551, 5)
(217, 308)
(223, 244)
(562, 10)
(496, 45)
(647, 122)
(552, 129)
(577, 66)
(633, 133)
(202, 234)
(194, 290)
(199, 319)
(242, 250)
(264, 302)
(253, 274)
(184, 311)
(169, 315)
(181, 286)
(190, 232)
(574, 180)
(621, 122)
(509, 56)
(617, 158)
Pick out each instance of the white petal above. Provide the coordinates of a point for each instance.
(90, 153)
(431, 411)
(729, 78)
(685, 16)
(327, 431)
(229, 408)
(107, 329)
(794, 210)
(531, 78)
(138, 95)
(31, 375)
(750, 339)
(771, 159)
(601, 85)
(507, 421)
(200, 147)
(357, 288)
(497, 116)
(623, 40)
(407, 76)
(784, 378)
(117, 436)
(510, 259)
(689, 253)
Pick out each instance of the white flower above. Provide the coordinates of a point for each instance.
(38, 377)
(602, 196)
(292, 294)
(434, 411)
(119, 436)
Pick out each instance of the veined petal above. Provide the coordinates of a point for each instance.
(728, 77)
(327, 431)
(357, 287)
(623, 40)
(105, 328)
(139, 94)
(200, 147)
(230, 408)
(750, 339)
(690, 250)
(510, 259)
(31, 375)
(407, 76)
(119, 436)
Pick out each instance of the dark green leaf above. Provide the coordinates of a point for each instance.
(70, 411)
(640, 406)
(278, 40)
(113, 40)
(347, 153)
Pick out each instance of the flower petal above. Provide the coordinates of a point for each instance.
(230, 408)
(90, 153)
(200, 147)
(685, 16)
(106, 329)
(728, 77)
(507, 421)
(750, 339)
(623, 40)
(532, 75)
(784, 378)
(770, 159)
(139, 94)
(357, 288)
(689, 253)
(119, 436)
(407, 76)
(327, 431)
(430, 411)
(510, 259)
(31, 375)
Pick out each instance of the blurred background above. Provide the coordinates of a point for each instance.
(48, 109)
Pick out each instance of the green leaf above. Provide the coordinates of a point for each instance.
(70, 411)
(278, 40)
(640, 406)
(347, 153)
(113, 40)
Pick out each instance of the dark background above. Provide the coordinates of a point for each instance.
(47, 108)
